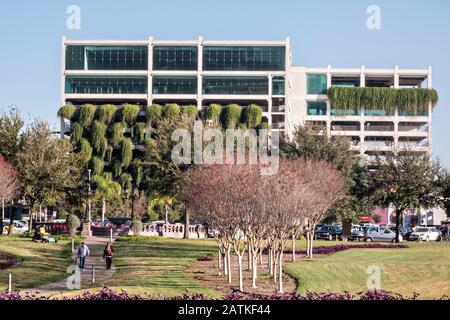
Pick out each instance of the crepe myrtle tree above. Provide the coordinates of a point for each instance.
(249, 211)
(9, 187)
(405, 180)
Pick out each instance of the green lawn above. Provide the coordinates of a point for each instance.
(423, 268)
(159, 266)
(39, 263)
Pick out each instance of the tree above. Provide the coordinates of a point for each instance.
(444, 184)
(9, 187)
(405, 180)
(11, 125)
(48, 168)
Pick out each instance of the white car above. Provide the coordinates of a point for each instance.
(19, 228)
(425, 234)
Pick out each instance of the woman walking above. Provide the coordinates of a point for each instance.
(107, 255)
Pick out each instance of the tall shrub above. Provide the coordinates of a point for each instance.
(129, 113)
(169, 111)
(139, 132)
(153, 113)
(86, 115)
(67, 111)
(117, 168)
(97, 165)
(106, 113)
(73, 223)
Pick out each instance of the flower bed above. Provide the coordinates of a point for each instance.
(109, 295)
(343, 247)
(6, 261)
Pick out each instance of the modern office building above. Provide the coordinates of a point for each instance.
(201, 72)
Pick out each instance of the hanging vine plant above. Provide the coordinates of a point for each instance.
(139, 132)
(67, 111)
(85, 151)
(98, 133)
(97, 165)
(126, 152)
(190, 111)
(153, 114)
(106, 113)
(117, 134)
(109, 153)
(76, 133)
(86, 115)
(213, 113)
(170, 111)
(116, 168)
(129, 113)
(373, 98)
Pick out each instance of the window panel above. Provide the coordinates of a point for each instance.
(236, 85)
(244, 58)
(317, 108)
(106, 58)
(278, 86)
(317, 84)
(174, 85)
(105, 85)
(175, 58)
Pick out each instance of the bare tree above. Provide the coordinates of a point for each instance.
(9, 187)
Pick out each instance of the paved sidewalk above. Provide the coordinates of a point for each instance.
(96, 246)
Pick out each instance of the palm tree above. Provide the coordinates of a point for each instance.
(107, 190)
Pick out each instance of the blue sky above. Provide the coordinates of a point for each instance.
(413, 34)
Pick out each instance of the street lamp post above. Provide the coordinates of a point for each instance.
(89, 196)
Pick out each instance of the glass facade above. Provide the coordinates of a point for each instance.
(278, 86)
(317, 108)
(244, 58)
(106, 57)
(317, 84)
(106, 85)
(236, 85)
(174, 85)
(175, 58)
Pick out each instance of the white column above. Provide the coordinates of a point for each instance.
(430, 113)
(329, 84)
(362, 84)
(199, 73)
(150, 72)
(63, 83)
(396, 121)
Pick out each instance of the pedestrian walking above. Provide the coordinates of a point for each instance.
(107, 255)
(83, 253)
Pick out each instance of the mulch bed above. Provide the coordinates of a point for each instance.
(6, 261)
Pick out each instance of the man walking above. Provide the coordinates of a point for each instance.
(83, 252)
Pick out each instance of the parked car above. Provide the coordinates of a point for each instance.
(358, 233)
(325, 232)
(425, 234)
(404, 231)
(380, 234)
(19, 228)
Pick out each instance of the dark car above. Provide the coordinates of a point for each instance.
(358, 233)
(404, 231)
(325, 232)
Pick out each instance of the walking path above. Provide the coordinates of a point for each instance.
(96, 246)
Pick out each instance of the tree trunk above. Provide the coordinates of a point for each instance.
(225, 263)
(280, 272)
(275, 258)
(241, 280)
(250, 260)
(220, 262)
(270, 259)
(255, 269)
(186, 223)
(229, 265)
(308, 239)
(11, 222)
(399, 213)
(311, 243)
(103, 209)
(293, 248)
